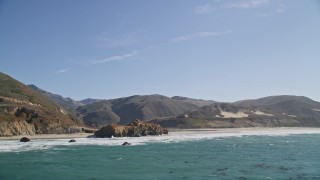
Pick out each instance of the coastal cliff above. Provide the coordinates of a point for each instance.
(24, 111)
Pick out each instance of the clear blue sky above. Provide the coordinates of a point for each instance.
(223, 50)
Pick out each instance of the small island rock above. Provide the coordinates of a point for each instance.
(126, 144)
(24, 139)
(72, 140)
(136, 128)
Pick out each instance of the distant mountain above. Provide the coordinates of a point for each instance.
(67, 103)
(89, 101)
(97, 114)
(198, 102)
(124, 110)
(274, 111)
(300, 107)
(25, 111)
(270, 100)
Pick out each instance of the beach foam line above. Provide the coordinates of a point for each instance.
(173, 137)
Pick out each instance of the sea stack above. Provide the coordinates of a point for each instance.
(136, 128)
(126, 144)
(24, 139)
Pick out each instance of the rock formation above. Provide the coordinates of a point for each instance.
(24, 139)
(126, 144)
(136, 128)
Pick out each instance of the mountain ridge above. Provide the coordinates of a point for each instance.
(174, 112)
(126, 109)
(66, 102)
(272, 111)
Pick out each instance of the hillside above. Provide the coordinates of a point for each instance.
(183, 112)
(197, 102)
(25, 111)
(274, 111)
(124, 110)
(271, 100)
(67, 103)
(89, 101)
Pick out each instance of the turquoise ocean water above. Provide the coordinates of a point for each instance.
(246, 157)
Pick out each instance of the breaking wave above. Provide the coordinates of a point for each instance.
(173, 137)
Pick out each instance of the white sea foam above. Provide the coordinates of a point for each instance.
(179, 136)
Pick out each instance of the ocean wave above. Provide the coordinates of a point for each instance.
(174, 137)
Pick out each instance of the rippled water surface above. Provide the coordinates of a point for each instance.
(164, 157)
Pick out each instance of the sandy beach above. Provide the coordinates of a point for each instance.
(222, 131)
(48, 136)
(250, 131)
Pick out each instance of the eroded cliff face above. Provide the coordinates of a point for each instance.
(23, 120)
(16, 128)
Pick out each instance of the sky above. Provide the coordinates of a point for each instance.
(223, 50)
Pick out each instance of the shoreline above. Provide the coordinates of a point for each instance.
(216, 131)
(251, 129)
(254, 130)
(48, 136)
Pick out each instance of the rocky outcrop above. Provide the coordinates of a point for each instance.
(19, 127)
(126, 144)
(88, 130)
(24, 139)
(13, 128)
(136, 128)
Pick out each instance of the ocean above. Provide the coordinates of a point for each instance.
(174, 156)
